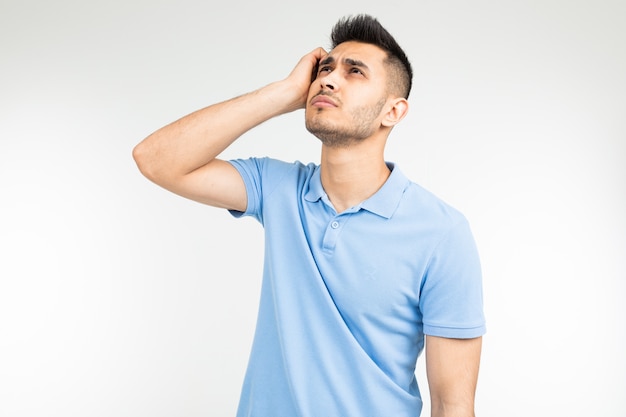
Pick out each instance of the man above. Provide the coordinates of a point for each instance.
(362, 267)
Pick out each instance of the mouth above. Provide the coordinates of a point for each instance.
(322, 100)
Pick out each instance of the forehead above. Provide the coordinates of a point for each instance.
(369, 54)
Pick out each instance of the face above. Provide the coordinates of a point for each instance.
(346, 100)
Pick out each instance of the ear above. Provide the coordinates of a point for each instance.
(399, 108)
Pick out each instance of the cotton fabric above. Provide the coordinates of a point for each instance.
(347, 297)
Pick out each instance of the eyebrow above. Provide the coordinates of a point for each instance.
(347, 61)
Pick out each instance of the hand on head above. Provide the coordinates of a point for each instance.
(303, 74)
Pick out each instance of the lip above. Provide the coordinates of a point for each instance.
(323, 101)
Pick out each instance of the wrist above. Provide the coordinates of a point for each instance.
(286, 97)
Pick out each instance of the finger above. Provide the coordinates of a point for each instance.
(318, 54)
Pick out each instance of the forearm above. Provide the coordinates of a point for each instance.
(181, 156)
(442, 409)
(452, 369)
(196, 139)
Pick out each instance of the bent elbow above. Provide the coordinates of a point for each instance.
(142, 157)
(139, 156)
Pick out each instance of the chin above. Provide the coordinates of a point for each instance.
(334, 138)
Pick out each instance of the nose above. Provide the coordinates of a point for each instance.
(328, 85)
(327, 81)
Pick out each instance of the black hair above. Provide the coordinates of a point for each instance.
(366, 29)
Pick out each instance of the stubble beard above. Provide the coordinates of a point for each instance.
(359, 127)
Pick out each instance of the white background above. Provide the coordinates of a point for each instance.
(120, 299)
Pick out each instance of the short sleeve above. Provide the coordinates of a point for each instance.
(251, 171)
(262, 177)
(451, 295)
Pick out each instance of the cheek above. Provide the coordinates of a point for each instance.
(312, 91)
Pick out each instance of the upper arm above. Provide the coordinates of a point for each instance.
(217, 184)
(452, 370)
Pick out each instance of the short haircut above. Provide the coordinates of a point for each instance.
(366, 29)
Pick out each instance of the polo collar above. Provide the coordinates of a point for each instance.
(383, 203)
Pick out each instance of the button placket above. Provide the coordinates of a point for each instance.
(331, 235)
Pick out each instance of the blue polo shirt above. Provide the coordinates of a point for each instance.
(347, 298)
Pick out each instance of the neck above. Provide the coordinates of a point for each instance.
(351, 175)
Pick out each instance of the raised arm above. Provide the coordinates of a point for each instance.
(452, 370)
(181, 157)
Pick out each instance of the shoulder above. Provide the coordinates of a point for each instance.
(427, 203)
(422, 208)
(263, 176)
(270, 166)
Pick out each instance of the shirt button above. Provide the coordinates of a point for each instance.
(334, 224)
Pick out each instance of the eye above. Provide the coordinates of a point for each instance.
(325, 69)
(355, 70)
